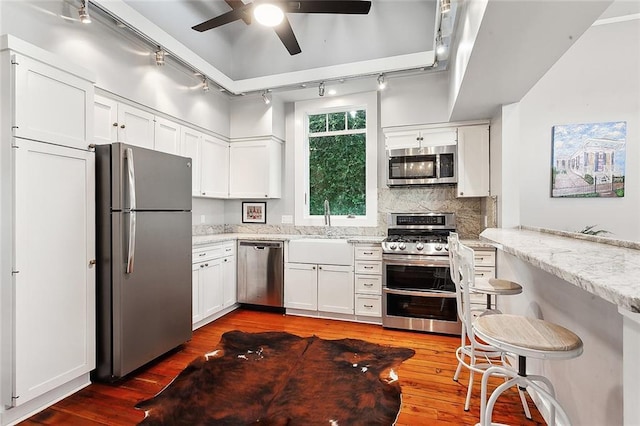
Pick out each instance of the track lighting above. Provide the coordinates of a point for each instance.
(445, 6)
(83, 12)
(441, 48)
(382, 84)
(321, 89)
(160, 56)
(205, 84)
(266, 97)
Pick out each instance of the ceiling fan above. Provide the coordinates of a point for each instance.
(273, 14)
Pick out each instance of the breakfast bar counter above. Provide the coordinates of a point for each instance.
(591, 285)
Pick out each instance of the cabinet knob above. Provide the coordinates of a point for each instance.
(122, 126)
(266, 195)
(313, 267)
(226, 260)
(462, 193)
(202, 266)
(319, 267)
(115, 124)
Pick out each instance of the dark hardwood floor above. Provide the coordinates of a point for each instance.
(429, 394)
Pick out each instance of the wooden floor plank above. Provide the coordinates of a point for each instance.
(429, 394)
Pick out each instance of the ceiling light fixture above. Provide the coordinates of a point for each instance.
(268, 15)
(160, 56)
(205, 85)
(321, 89)
(83, 12)
(266, 97)
(445, 6)
(382, 84)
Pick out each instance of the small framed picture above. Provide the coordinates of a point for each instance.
(254, 212)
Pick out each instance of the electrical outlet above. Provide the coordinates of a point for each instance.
(202, 218)
(287, 218)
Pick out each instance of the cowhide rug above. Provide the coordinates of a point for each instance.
(277, 378)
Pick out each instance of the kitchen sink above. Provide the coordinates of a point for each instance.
(331, 251)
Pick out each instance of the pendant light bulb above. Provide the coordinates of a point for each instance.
(268, 15)
(83, 12)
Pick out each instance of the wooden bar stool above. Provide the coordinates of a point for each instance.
(524, 337)
(495, 287)
(474, 354)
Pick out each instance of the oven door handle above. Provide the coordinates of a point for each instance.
(445, 294)
(421, 261)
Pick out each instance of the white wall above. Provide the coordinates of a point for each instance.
(597, 80)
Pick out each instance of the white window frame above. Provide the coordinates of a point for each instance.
(303, 109)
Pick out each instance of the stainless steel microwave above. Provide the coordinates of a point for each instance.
(422, 166)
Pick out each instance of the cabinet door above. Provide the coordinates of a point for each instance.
(191, 148)
(214, 166)
(211, 288)
(335, 289)
(54, 290)
(167, 136)
(255, 169)
(105, 120)
(301, 286)
(473, 161)
(229, 281)
(52, 105)
(402, 139)
(196, 307)
(135, 126)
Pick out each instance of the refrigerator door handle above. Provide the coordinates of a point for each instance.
(131, 178)
(132, 242)
(131, 182)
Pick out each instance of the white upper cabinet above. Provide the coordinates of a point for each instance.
(210, 163)
(255, 169)
(473, 161)
(118, 122)
(167, 136)
(418, 137)
(214, 167)
(135, 126)
(48, 102)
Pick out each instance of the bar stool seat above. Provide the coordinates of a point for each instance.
(524, 337)
(495, 287)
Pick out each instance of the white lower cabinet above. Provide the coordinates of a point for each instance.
(485, 268)
(368, 281)
(214, 282)
(315, 287)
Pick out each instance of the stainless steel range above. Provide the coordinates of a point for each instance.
(418, 293)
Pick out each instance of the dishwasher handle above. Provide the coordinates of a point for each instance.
(261, 245)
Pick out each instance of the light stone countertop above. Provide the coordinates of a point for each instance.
(199, 240)
(609, 269)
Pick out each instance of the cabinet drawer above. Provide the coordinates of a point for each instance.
(207, 253)
(370, 306)
(229, 248)
(368, 253)
(484, 272)
(366, 267)
(485, 257)
(369, 284)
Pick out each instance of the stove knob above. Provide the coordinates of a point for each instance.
(402, 246)
(419, 246)
(446, 247)
(438, 247)
(392, 246)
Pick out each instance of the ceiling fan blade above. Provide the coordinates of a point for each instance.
(354, 7)
(288, 38)
(235, 4)
(225, 18)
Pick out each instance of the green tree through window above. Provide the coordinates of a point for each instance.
(337, 162)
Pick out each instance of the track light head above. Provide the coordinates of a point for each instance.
(382, 84)
(321, 89)
(445, 6)
(83, 12)
(160, 56)
(266, 97)
(205, 85)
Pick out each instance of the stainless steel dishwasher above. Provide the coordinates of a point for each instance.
(261, 273)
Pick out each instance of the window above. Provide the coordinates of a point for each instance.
(336, 158)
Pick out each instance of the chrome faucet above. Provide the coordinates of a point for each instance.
(327, 213)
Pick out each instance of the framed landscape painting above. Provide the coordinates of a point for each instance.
(588, 160)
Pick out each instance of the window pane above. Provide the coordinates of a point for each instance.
(317, 123)
(357, 119)
(336, 121)
(337, 172)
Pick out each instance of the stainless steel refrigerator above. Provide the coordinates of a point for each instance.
(143, 223)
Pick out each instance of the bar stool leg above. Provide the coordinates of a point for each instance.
(522, 371)
(486, 408)
(467, 402)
